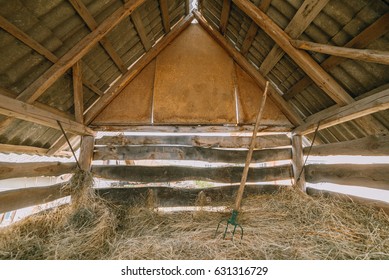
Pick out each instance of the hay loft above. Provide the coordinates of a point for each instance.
(179, 81)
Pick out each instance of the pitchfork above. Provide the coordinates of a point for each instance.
(238, 201)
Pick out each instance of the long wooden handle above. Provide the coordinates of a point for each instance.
(239, 195)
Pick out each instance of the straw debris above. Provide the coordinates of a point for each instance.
(286, 225)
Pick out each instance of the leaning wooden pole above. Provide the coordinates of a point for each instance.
(239, 195)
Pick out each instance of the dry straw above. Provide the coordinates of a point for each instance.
(286, 225)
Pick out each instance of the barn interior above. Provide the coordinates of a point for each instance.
(132, 96)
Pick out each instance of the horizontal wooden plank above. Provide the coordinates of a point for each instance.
(149, 174)
(34, 169)
(363, 107)
(262, 141)
(19, 149)
(26, 197)
(187, 153)
(190, 129)
(378, 204)
(368, 146)
(365, 175)
(172, 196)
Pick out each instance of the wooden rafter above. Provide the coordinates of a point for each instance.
(371, 33)
(224, 16)
(287, 109)
(135, 69)
(163, 4)
(363, 107)
(61, 144)
(28, 112)
(187, 7)
(374, 56)
(140, 28)
(78, 93)
(39, 86)
(304, 60)
(301, 20)
(84, 13)
(298, 162)
(253, 29)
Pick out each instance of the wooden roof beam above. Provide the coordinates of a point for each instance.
(374, 56)
(303, 60)
(224, 16)
(253, 29)
(140, 29)
(371, 33)
(301, 20)
(39, 86)
(28, 112)
(287, 109)
(163, 4)
(136, 69)
(84, 13)
(363, 107)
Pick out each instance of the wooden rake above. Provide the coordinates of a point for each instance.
(238, 201)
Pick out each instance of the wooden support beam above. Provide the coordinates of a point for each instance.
(26, 197)
(78, 93)
(307, 12)
(21, 110)
(19, 149)
(86, 152)
(298, 162)
(140, 28)
(253, 29)
(149, 174)
(84, 13)
(303, 60)
(374, 176)
(163, 4)
(262, 141)
(187, 153)
(187, 7)
(62, 144)
(375, 56)
(224, 16)
(136, 69)
(371, 33)
(39, 86)
(170, 196)
(287, 109)
(363, 107)
(368, 146)
(34, 169)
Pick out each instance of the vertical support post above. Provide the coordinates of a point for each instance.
(298, 162)
(86, 152)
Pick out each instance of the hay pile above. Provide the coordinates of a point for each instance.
(287, 225)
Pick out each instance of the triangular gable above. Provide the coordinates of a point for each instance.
(192, 81)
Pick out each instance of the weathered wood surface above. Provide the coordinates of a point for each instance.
(191, 128)
(261, 142)
(86, 152)
(368, 146)
(25, 197)
(298, 162)
(171, 197)
(363, 107)
(375, 56)
(34, 169)
(224, 16)
(18, 149)
(187, 153)
(149, 174)
(378, 204)
(374, 176)
(131, 196)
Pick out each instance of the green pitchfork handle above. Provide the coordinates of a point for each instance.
(239, 195)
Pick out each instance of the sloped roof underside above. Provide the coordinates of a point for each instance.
(58, 27)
